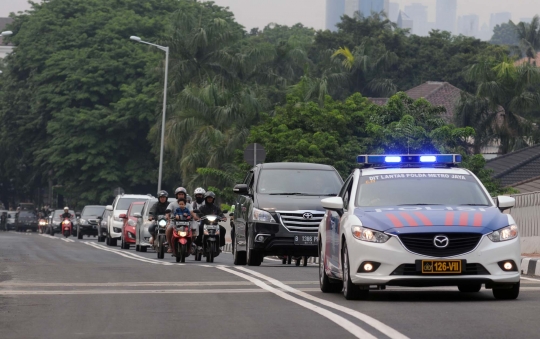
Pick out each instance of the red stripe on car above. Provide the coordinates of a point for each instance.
(449, 221)
(394, 220)
(423, 219)
(477, 221)
(463, 218)
(409, 219)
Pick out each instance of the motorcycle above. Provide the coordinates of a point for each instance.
(160, 242)
(182, 239)
(210, 240)
(66, 227)
(42, 226)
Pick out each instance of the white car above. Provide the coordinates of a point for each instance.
(417, 220)
(119, 206)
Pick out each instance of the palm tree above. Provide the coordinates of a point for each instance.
(502, 87)
(529, 37)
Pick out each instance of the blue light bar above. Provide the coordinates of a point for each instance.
(403, 159)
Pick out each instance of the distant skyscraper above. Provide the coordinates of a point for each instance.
(334, 11)
(419, 15)
(468, 25)
(393, 11)
(404, 21)
(527, 20)
(366, 7)
(499, 18)
(446, 15)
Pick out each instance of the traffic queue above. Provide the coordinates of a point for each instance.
(397, 220)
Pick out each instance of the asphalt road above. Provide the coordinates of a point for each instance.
(58, 288)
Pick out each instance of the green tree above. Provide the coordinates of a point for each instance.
(505, 34)
(77, 99)
(529, 37)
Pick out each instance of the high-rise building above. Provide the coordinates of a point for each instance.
(499, 18)
(404, 22)
(419, 15)
(393, 11)
(446, 15)
(526, 20)
(334, 11)
(366, 7)
(468, 25)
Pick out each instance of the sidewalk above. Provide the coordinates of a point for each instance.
(530, 264)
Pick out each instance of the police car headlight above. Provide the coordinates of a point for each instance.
(507, 233)
(260, 215)
(366, 234)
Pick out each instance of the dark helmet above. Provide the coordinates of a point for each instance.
(209, 194)
(163, 194)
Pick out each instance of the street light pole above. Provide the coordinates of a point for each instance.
(166, 49)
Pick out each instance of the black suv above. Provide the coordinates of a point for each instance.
(279, 210)
(89, 221)
(27, 221)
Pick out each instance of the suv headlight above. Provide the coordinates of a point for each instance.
(83, 222)
(366, 234)
(260, 215)
(507, 233)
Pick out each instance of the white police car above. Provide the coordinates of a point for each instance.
(417, 220)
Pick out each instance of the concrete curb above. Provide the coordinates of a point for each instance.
(530, 266)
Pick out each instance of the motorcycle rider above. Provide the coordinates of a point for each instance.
(159, 208)
(199, 198)
(180, 193)
(209, 208)
(67, 215)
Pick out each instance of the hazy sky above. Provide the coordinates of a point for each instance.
(258, 13)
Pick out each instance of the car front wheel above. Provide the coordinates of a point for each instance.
(506, 293)
(350, 290)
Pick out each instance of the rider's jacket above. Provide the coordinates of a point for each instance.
(159, 209)
(66, 215)
(207, 209)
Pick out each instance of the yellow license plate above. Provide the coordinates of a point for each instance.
(441, 266)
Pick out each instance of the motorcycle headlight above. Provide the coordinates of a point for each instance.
(261, 215)
(506, 233)
(211, 218)
(366, 234)
(182, 234)
(162, 223)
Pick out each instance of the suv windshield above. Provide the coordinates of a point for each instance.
(299, 182)
(93, 211)
(123, 203)
(420, 189)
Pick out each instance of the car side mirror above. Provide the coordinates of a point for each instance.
(122, 216)
(333, 204)
(504, 202)
(241, 189)
(109, 208)
(137, 215)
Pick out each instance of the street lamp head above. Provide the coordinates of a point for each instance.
(6, 33)
(135, 38)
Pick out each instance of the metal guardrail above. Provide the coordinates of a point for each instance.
(526, 213)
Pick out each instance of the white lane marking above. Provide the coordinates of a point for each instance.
(381, 327)
(339, 320)
(149, 284)
(51, 237)
(531, 279)
(171, 291)
(130, 255)
(66, 240)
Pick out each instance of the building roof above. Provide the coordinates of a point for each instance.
(437, 93)
(519, 168)
(3, 23)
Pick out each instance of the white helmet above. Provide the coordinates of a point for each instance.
(66, 208)
(199, 190)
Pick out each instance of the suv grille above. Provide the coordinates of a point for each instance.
(458, 243)
(469, 269)
(301, 221)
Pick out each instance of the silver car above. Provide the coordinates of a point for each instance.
(142, 236)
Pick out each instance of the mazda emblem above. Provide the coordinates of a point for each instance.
(441, 241)
(307, 215)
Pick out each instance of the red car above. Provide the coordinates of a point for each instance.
(128, 229)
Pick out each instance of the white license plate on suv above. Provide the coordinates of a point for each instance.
(306, 239)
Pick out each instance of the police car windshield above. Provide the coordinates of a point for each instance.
(299, 182)
(420, 189)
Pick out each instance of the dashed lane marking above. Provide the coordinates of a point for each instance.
(130, 255)
(163, 291)
(347, 325)
(148, 284)
(381, 327)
